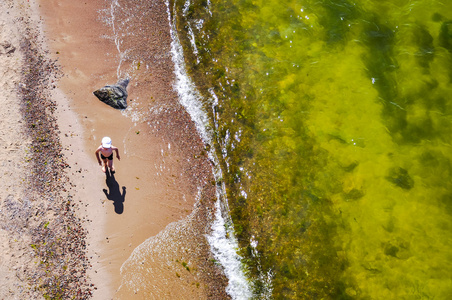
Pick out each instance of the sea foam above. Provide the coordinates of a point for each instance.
(222, 240)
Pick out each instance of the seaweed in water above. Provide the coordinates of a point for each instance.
(401, 178)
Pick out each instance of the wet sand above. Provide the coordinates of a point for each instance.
(162, 167)
(83, 225)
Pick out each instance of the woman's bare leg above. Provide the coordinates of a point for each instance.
(104, 166)
(110, 165)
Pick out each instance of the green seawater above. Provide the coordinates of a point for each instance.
(334, 126)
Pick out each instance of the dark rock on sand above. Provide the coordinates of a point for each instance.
(114, 95)
(7, 48)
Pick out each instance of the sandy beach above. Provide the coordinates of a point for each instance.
(137, 234)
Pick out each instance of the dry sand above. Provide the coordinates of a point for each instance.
(13, 145)
(42, 241)
(153, 213)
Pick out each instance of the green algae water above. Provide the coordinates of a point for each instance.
(333, 123)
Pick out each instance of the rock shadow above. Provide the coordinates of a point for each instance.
(114, 194)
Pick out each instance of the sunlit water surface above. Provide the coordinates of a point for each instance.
(330, 125)
(332, 121)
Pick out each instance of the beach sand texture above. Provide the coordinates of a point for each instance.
(13, 145)
(68, 229)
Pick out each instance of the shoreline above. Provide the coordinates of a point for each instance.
(68, 230)
(161, 166)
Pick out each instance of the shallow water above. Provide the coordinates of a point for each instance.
(333, 121)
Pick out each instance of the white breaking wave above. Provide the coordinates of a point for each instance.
(222, 240)
(224, 246)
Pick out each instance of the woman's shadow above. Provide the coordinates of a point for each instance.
(115, 193)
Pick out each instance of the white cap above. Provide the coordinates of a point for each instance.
(106, 142)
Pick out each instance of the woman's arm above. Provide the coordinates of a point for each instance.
(97, 156)
(117, 152)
